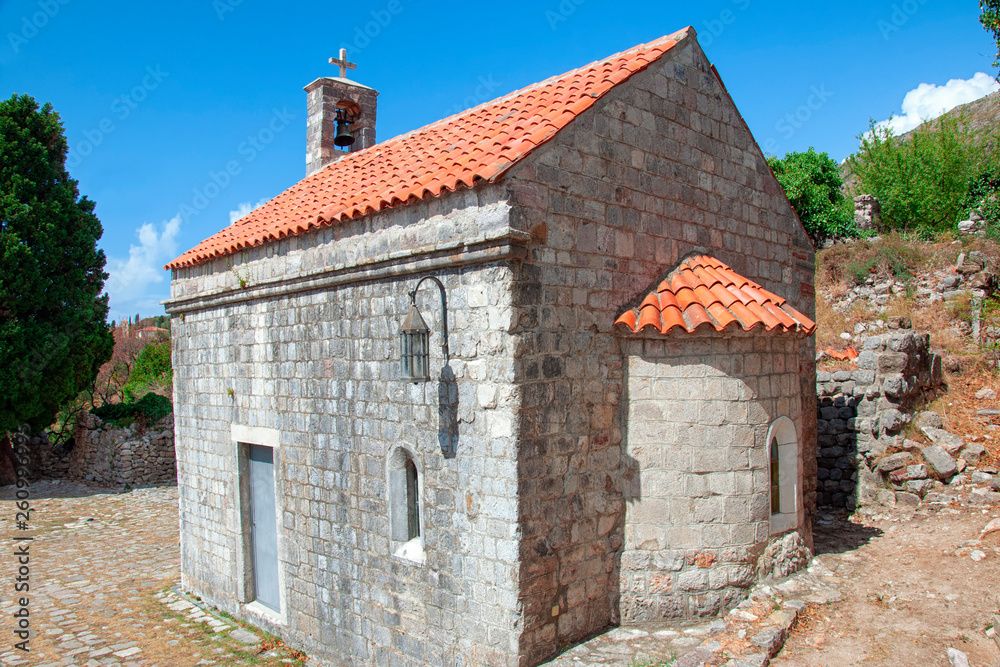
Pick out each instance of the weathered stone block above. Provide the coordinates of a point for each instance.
(972, 452)
(950, 442)
(940, 461)
(894, 462)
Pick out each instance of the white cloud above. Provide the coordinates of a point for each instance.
(929, 100)
(131, 282)
(243, 209)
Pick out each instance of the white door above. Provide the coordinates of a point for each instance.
(264, 526)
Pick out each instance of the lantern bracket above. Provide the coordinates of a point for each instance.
(444, 311)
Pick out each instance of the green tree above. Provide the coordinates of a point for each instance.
(812, 183)
(990, 18)
(921, 179)
(152, 369)
(53, 336)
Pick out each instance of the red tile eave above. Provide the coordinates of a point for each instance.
(702, 291)
(462, 151)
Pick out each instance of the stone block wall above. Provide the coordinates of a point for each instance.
(661, 167)
(108, 455)
(321, 369)
(861, 413)
(698, 479)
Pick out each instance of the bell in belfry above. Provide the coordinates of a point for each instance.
(344, 138)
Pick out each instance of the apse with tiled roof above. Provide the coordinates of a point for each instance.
(617, 429)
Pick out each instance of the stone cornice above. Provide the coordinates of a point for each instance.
(509, 246)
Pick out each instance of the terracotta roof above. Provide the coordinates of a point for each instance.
(703, 291)
(461, 151)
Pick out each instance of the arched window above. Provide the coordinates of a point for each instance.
(405, 521)
(783, 458)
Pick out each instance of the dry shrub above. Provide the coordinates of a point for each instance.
(830, 322)
(958, 408)
(849, 264)
(939, 320)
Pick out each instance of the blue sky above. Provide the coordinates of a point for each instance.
(157, 98)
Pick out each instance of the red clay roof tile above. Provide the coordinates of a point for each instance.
(703, 290)
(469, 148)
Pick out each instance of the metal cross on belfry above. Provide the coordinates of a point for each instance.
(343, 64)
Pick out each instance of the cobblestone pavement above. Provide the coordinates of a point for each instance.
(102, 564)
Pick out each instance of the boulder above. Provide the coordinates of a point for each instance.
(901, 475)
(891, 420)
(986, 394)
(929, 418)
(979, 477)
(919, 487)
(957, 659)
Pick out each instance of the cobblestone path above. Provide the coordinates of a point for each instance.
(102, 564)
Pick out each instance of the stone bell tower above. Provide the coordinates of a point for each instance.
(328, 97)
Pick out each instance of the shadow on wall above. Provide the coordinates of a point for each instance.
(448, 412)
(836, 449)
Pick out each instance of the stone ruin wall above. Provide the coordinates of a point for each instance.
(108, 455)
(862, 413)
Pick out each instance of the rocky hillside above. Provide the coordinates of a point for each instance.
(982, 115)
(946, 290)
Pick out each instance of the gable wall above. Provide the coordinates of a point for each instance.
(661, 167)
(320, 368)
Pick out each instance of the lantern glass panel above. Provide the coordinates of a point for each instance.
(414, 356)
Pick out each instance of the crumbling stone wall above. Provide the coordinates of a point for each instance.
(861, 413)
(867, 212)
(48, 460)
(112, 456)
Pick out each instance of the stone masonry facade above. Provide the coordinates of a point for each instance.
(321, 368)
(662, 167)
(696, 459)
(520, 438)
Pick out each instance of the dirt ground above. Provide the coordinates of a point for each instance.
(910, 591)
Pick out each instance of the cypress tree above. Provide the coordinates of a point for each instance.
(53, 334)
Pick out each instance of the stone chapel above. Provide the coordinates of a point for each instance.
(475, 393)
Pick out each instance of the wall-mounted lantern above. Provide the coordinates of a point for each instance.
(414, 338)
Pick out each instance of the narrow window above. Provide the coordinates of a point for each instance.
(412, 507)
(775, 478)
(404, 506)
